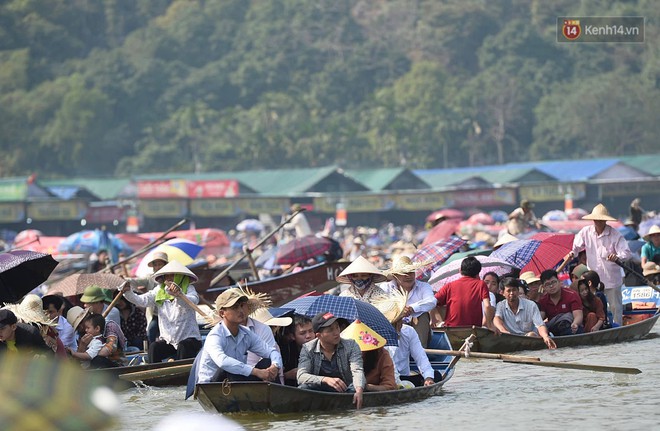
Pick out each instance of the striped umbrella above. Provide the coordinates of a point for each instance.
(346, 308)
(437, 252)
(452, 271)
(534, 254)
(181, 250)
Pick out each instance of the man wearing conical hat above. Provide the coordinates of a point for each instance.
(179, 333)
(421, 299)
(604, 246)
(362, 276)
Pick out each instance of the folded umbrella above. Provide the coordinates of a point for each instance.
(21, 271)
(346, 308)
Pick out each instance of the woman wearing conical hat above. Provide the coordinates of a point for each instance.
(179, 333)
(362, 276)
(604, 246)
(421, 299)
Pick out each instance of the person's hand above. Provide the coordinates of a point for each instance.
(494, 329)
(273, 372)
(574, 328)
(173, 289)
(407, 311)
(261, 373)
(550, 343)
(612, 257)
(357, 398)
(428, 381)
(125, 286)
(569, 256)
(337, 384)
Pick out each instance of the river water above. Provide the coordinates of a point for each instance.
(483, 394)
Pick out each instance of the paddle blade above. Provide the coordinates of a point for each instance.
(574, 366)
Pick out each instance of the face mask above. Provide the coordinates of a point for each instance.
(360, 283)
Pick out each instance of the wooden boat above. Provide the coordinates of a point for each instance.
(488, 342)
(164, 378)
(275, 398)
(285, 288)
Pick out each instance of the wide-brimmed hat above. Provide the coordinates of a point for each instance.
(504, 239)
(655, 230)
(650, 268)
(599, 213)
(404, 265)
(579, 270)
(364, 336)
(228, 298)
(31, 310)
(95, 293)
(529, 277)
(76, 315)
(175, 267)
(393, 305)
(158, 255)
(361, 266)
(264, 316)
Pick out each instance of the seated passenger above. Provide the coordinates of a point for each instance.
(224, 354)
(377, 362)
(94, 326)
(592, 308)
(362, 276)
(651, 272)
(331, 363)
(295, 335)
(560, 305)
(598, 289)
(20, 337)
(409, 344)
(533, 285)
(520, 316)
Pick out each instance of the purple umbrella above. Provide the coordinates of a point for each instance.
(21, 271)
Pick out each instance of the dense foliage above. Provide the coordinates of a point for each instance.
(122, 87)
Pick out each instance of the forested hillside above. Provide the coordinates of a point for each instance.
(122, 87)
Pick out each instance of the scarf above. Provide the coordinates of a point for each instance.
(161, 294)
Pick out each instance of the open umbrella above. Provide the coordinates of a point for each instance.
(533, 254)
(442, 230)
(250, 224)
(21, 271)
(301, 249)
(448, 213)
(452, 271)
(438, 253)
(91, 241)
(554, 215)
(75, 284)
(499, 216)
(575, 213)
(347, 308)
(481, 218)
(181, 250)
(267, 259)
(464, 254)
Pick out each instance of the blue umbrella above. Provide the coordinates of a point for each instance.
(347, 308)
(91, 241)
(628, 233)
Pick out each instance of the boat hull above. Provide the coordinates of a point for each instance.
(488, 342)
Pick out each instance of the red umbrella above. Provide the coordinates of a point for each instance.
(564, 240)
(443, 230)
(448, 213)
(301, 249)
(481, 218)
(533, 254)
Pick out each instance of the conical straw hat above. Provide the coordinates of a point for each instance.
(392, 305)
(506, 238)
(175, 267)
(404, 265)
(599, 213)
(361, 266)
(655, 229)
(364, 336)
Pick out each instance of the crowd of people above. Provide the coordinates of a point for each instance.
(325, 352)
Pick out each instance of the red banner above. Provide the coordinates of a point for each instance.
(213, 189)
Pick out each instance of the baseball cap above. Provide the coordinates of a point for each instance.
(323, 320)
(228, 298)
(7, 317)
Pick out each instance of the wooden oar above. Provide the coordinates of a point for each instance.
(529, 360)
(575, 366)
(222, 275)
(159, 372)
(112, 304)
(479, 355)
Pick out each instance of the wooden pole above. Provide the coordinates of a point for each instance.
(112, 304)
(479, 355)
(222, 275)
(147, 247)
(158, 372)
(253, 266)
(626, 268)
